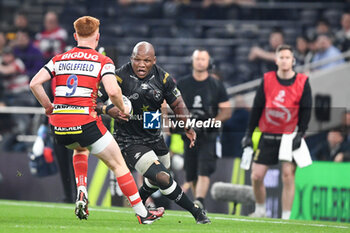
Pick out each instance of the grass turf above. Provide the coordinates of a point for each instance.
(21, 216)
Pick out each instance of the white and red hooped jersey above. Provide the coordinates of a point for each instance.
(78, 73)
(282, 103)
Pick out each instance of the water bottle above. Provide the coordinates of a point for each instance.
(39, 144)
(247, 158)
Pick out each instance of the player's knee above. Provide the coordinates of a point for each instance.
(158, 173)
(163, 179)
(256, 177)
(154, 183)
(287, 177)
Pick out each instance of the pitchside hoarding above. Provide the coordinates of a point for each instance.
(322, 192)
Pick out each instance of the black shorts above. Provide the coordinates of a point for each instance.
(200, 160)
(133, 153)
(268, 149)
(85, 135)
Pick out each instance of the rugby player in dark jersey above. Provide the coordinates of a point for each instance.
(147, 86)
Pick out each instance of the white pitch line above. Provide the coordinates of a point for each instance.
(281, 222)
(177, 215)
(105, 228)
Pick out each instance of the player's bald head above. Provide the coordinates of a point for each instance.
(142, 59)
(144, 48)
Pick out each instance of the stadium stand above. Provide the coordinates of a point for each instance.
(175, 28)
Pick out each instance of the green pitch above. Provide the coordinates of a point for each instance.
(20, 216)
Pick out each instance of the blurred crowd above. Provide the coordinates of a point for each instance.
(23, 53)
(334, 145)
(315, 45)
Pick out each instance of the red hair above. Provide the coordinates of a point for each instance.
(86, 26)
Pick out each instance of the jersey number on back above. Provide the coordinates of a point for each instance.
(72, 83)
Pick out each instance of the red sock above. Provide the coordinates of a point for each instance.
(80, 164)
(128, 186)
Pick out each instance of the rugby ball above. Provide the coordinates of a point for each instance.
(128, 105)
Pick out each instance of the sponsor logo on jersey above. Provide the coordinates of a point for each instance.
(176, 92)
(144, 86)
(134, 96)
(108, 69)
(69, 109)
(136, 117)
(87, 56)
(68, 130)
(157, 95)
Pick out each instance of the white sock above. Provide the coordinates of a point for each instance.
(286, 214)
(260, 208)
(83, 189)
(140, 209)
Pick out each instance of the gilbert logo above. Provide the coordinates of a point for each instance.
(151, 120)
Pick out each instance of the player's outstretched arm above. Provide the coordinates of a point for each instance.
(36, 85)
(114, 92)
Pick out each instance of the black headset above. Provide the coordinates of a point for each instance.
(211, 65)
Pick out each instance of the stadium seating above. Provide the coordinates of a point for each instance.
(227, 32)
